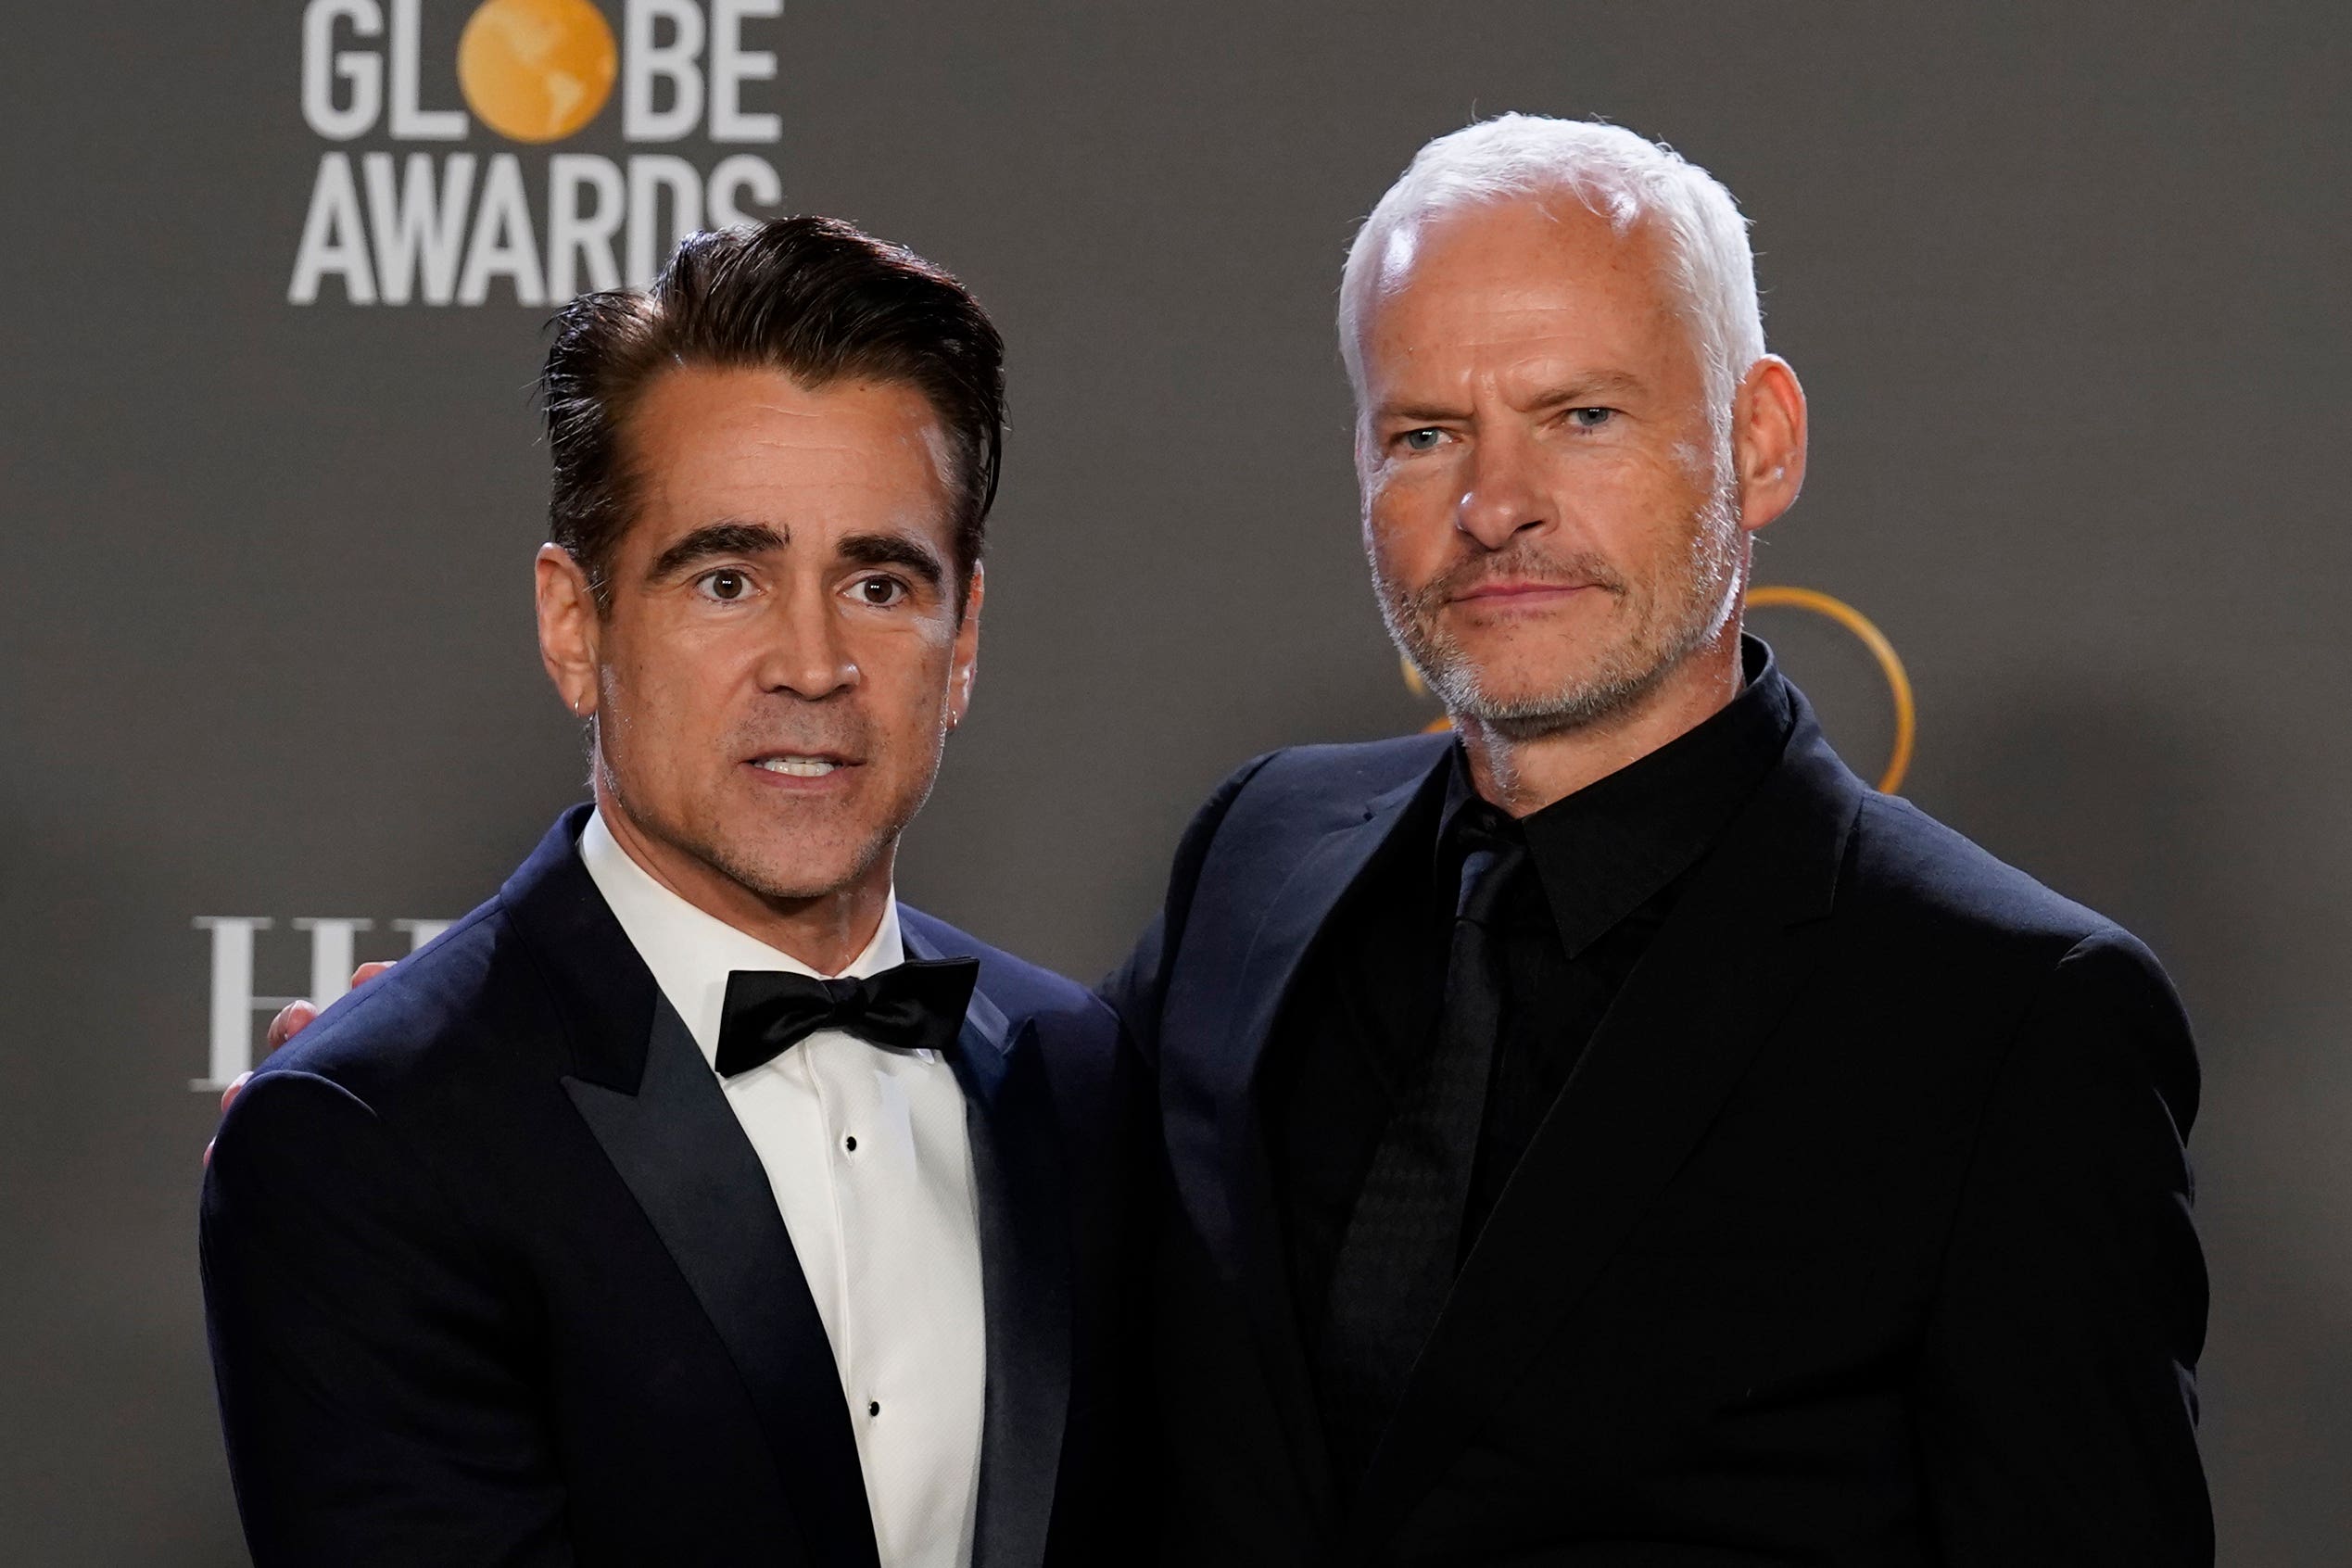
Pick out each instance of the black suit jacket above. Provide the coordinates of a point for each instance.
(494, 1276)
(1860, 1234)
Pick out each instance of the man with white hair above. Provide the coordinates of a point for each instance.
(1612, 1134)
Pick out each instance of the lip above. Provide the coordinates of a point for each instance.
(1509, 594)
(844, 768)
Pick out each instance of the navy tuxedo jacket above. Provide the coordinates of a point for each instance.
(493, 1276)
(1859, 1235)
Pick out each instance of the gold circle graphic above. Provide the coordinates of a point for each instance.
(536, 70)
(1906, 714)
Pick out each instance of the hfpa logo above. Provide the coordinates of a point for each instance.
(234, 1007)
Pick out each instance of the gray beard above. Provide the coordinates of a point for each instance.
(1692, 610)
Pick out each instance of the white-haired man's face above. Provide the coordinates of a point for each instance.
(1554, 521)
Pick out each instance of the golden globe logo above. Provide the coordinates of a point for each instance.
(442, 228)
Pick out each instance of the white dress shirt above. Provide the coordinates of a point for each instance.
(866, 1153)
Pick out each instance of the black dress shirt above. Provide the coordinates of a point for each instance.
(1608, 863)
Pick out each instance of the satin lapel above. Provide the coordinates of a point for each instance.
(676, 1144)
(1716, 978)
(642, 1086)
(1245, 973)
(1025, 1277)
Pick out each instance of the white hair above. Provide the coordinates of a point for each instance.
(1626, 178)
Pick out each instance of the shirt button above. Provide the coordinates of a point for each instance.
(874, 1407)
(850, 1143)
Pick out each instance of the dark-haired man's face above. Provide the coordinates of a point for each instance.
(782, 655)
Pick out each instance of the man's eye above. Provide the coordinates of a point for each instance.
(880, 592)
(726, 584)
(1590, 419)
(1421, 440)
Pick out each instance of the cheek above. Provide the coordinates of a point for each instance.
(905, 669)
(669, 699)
(908, 717)
(1636, 508)
(1409, 515)
(681, 680)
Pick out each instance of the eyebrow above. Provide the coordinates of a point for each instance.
(752, 538)
(895, 550)
(1574, 392)
(717, 539)
(1578, 391)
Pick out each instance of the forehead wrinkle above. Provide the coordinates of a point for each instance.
(1587, 240)
(928, 433)
(757, 434)
(1522, 348)
(1550, 359)
(763, 405)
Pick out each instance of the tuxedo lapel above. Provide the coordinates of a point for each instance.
(653, 1102)
(1239, 965)
(1660, 1067)
(1025, 1274)
(677, 1145)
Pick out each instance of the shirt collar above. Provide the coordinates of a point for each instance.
(1603, 851)
(691, 950)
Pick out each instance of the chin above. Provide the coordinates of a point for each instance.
(1534, 656)
(788, 868)
(798, 883)
(1526, 686)
(1528, 704)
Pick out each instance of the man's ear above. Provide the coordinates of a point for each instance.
(965, 669)
(569, 628)
(1768, 441)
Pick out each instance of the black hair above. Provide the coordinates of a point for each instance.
(816, 297)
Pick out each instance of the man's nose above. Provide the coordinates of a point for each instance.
(806, 652)
(1502, 498)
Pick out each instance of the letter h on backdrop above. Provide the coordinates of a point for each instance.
(332, 949)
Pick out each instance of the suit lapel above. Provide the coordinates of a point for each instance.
(676, 1144)
(1244, 969)
(1025, 1275)
(1660, 1067)
(653, 1102)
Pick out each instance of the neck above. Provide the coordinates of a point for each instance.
(827, 931)
(1523, 774)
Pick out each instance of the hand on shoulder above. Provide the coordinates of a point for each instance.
(292, 1019)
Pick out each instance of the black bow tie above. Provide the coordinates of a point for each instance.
(917, 1006)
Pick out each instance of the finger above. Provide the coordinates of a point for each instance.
(208, 1151)
(367, 972)
(228, 1097)
(292, 1019)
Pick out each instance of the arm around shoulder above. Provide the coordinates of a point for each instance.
(2058, 1402)
(372, 1394)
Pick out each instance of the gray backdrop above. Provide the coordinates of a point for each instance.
(2064, 283)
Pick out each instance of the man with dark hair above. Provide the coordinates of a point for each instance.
(692, 1201)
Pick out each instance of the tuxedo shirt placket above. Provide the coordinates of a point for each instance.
(886, 1232)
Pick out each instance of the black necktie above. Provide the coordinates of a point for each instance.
(1403, 1244)
(917, 1006)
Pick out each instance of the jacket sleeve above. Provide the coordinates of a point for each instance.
(1137, 988)
(376, 1404)
(2058, 1398)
